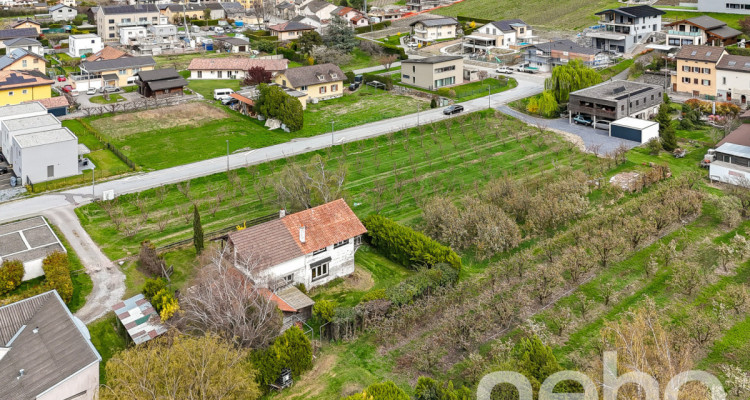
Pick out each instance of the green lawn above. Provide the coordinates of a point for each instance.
(468, 91)
(360, 59)
(560, 14)
(108, 337)
(152, 145)
(384, 273)
(183, 260)
(609, 72)
(206, 86)
(113, 98)
(394, 40)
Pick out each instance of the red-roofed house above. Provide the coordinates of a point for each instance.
(355, 17)
(312, 246)
(232, 67)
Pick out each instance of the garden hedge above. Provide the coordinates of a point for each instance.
(374, 27)
(57, 273)
(11, 274)
(210, 22)
(407, 246)
(421, 283)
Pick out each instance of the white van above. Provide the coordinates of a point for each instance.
(222, 93)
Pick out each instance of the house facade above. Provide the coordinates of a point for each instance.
(160, 83)
(109, 19)
(322, 81)
(725, 6)
(289, 30)
(79, 45)
(501, 34)
(696, 70)
(546, 56)
(17, 87)
(733, 79)
(311, 247)
(625, 27)
(430, 30)
(701, 30)
(22, 60)
(432, 73)
(28, 44)
(232, 67)
(47, 352)
(13, 34)
(613, 100)
(61, 12)
(120, 71)
(27, 24)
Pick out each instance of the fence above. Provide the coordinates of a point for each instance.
(109, 146)
(220, 232)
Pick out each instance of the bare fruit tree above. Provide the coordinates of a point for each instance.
(225, 301)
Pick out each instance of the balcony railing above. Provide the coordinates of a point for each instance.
(682, 33)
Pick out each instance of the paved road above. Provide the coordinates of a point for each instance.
(109, 281)
(135, 183)
(590, 136)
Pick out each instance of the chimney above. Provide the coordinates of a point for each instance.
(302, 234)
(36, 330)
(20, 374)
(282, 213)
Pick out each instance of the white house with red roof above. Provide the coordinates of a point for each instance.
(312, 247)
(232, 67)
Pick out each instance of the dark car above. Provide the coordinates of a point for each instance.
(354, 86)
(454, 109)
(581, 120)
(228, 101)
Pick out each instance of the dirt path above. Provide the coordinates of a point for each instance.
(109, 281)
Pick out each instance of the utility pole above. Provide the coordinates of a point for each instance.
(227, 157)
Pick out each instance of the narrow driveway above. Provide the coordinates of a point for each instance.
(109, 281)
(591, 137)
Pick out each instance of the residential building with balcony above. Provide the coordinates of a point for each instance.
(696, 70)
(432, 72)
(430, 30)
(498, 34)
(725, 6)
(613, 100)
(422, 5)
(624, 28)
(110, 19)
(547, 56)
(701, 30)
(733, 79)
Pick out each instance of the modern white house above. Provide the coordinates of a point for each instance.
(733, 79)
(84, 44)
(61, 12)
(21, 124)
(498, 34)
(45, 155)
(312, 247)
(28, 44)
(131, 34)
(46, 352)
(621, 29)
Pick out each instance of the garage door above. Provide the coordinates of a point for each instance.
(626, 133)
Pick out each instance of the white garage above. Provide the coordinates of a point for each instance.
(634, 129)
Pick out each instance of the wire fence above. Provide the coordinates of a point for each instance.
(213, 235)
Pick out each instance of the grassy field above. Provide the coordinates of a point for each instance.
(731, 19)
(206, 86)
(360, 59)
(108, 336)
(561, 14)
(113, 98)
(199, 130)
(468, 91)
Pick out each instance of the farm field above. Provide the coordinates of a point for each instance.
(454, 335)
(199, 130)
(563, 14)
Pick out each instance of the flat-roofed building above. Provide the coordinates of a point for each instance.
(610, 101)
(432, 72)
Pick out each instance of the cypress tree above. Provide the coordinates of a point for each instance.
(197, 230)
(663, 118)
(668, 139)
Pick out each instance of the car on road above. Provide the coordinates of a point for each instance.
(91, 91)
(454, 109)
(581, 120)
(61, 78)
(504, 70)
(67, 88)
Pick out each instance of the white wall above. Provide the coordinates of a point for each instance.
(240, 74)
(720, 6)
(737, 83)
(126, 34)
(80, 46)
(32, 162)
(652, 132)
(725, 173)
(86, 380)
(32, 269)
(7, 136)
(5, 140)
(64, 14)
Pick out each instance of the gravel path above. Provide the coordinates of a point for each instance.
(109, 281)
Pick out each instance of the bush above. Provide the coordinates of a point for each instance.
(653, 146)
(433, 103)
(374, 27)
(301, 287)
(210, 22)
(324, 309)
(149, 259)
(375, 294)
(422, 283)
(57, 273)
(387, 80)
(273, 102)
(11, 274)
(152, 287)
(165, 303)
(266, 46)
(349, 77)
(290, 350)
(380, 391)
(407, 246)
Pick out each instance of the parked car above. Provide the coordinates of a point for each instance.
(220, 94)
(413, 44)
(67, 88)
(90, 91)
(61, 78)
(228, 101)
(353, 87)
(109, 89)
(581, 120)
(219, 29)
(454, 109)
(504, 70)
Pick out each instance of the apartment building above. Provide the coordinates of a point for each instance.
(624, 28)
(110, 19)
(614, 100)
(696, 70)
(432, 72)
(701, 30)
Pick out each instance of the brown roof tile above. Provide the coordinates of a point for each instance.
(734, 63)
(739, 136)
(314, 74)
(700, 53)
(237, 64)
(269, 242)
(107, 53)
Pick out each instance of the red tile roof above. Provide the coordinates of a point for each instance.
(237, 64)
(277, 241)
(53, 102)
(107, 53)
